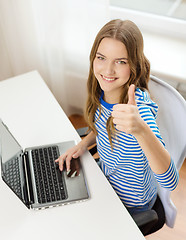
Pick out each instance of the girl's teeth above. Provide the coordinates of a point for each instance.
(108, 79)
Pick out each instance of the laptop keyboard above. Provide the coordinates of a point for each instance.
(49, 179)
(13, 175)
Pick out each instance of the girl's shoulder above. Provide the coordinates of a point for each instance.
(142, 95)
(143, 100)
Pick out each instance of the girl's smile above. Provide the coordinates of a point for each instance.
(108, 79)
(111, 68)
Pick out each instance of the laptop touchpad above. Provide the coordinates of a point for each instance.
(75, 167)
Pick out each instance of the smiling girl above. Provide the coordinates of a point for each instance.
(122, 119)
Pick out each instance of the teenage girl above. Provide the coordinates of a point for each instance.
(122, 119)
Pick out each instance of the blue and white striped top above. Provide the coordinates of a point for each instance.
(126, 166)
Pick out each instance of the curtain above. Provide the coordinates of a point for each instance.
(53, 37)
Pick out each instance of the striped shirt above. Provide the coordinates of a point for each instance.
(126, 166)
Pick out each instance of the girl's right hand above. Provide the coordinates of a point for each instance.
(73, 152)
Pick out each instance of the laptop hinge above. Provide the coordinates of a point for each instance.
(28, 191)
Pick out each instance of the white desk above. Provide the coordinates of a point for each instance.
(34, 117)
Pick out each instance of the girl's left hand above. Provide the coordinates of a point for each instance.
(126, 116)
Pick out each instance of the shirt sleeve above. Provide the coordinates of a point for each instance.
(148, 116)
(170, 178)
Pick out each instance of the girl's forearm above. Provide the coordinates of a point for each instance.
(89, 140)
(158, 157)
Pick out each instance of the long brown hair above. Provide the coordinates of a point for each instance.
(129, 34)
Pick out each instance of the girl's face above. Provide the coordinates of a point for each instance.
(111, 68)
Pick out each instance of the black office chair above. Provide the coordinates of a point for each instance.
(171, 122)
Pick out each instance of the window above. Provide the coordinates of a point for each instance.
(168, 8)
(164, 16)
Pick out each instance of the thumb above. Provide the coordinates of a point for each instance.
(131, 95)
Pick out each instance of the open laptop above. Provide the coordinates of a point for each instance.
(34, 176)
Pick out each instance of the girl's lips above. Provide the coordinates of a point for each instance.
(108, 79)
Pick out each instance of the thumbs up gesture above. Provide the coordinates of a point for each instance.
(126, 116)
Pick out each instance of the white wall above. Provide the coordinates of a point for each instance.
(55, 38)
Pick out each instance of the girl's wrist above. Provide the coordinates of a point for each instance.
(141, 130)
(82, 143)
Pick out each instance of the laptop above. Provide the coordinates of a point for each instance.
(34, 176)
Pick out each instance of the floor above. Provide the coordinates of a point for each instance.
(178, 196)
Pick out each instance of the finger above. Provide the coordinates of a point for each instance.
(77, 154)
(121, 110)
(61, 164)
(61, 160)
(120, 107)
(68, 161)
(131, 95)
(121, 128)
(69, 158)
(120, 121)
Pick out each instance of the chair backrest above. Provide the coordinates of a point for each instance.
(171, 121)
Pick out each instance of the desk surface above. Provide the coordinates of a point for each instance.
(34, 117)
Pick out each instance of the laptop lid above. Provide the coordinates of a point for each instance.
(12, 164)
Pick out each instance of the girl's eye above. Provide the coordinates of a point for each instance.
(100, 58)
(121, 62)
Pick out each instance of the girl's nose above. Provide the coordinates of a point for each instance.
(110, 69)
